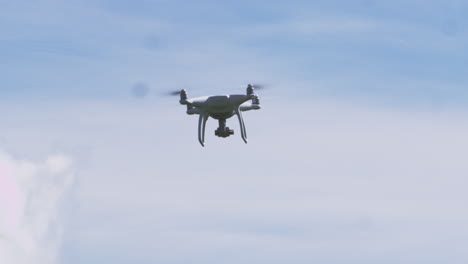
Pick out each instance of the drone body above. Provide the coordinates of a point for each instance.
(220, 107)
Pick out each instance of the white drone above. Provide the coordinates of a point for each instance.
(220, 107)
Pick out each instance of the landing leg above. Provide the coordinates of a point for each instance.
(201, 128)
(242, 125)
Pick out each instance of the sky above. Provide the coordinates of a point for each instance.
(357, 155)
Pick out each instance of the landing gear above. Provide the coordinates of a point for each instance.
(223, 130)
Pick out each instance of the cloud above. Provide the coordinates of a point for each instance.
(321, 182)
(31, 196)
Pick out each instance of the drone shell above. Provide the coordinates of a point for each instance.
(220, 107)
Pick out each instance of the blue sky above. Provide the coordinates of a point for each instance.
(88, 50)
(357, 155)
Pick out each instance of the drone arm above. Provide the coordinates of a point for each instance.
(201, 127)
(241, 124)
(244, 108)
(192, 110)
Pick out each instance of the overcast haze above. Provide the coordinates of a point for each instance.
(358, 154)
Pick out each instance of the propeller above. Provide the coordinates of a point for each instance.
(140, 90)
(174, 93)
(258, 86)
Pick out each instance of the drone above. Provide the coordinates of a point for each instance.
(220, 107)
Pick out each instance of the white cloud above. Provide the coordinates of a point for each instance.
(31, 195)
(351, 184)
(329, 183)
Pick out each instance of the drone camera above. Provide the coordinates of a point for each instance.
(224, 132)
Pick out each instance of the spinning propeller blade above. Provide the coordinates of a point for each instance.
(174, 93)
(256, 86)
(140, 90)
